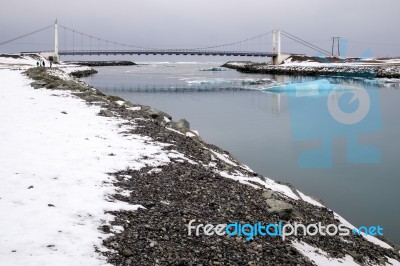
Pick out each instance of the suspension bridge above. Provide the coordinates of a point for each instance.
(86, 44)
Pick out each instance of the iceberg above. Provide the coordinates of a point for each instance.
(320, 87)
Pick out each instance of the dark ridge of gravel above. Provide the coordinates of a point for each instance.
(84, 73)
(178, 192)
(350, 71)
(14, 56)
(102, 63)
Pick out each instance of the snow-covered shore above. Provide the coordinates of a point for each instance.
(54, 186)
(64, 166)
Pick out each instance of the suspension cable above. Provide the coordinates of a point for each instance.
(100, 39)
(305, 43)
(233, 43)
(26, 35)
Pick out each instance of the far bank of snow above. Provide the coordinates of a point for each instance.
(323, 66)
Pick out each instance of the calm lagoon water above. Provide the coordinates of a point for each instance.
(306, 137)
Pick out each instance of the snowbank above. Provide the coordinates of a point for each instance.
(54, 186)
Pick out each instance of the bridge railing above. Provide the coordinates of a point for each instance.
(167, 52)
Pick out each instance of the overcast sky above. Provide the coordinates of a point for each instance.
(167, 23)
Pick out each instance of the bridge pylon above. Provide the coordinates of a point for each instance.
(56, 55)
(53, 56)
(278, 58)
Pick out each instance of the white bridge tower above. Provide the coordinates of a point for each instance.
(56, 55)
(278, 58)
(53, 56)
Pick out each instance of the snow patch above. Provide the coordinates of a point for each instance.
(224, 158)
(309, 199)
(268, 183)
(320, 257)
(176, 155)
(190, 134)
(174, 130)
(392, 262)
(136, 108)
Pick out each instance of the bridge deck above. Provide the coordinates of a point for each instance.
(166, 52)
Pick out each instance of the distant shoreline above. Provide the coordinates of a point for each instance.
(309, 66)
(101, 63)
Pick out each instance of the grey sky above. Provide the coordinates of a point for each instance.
(166, 23)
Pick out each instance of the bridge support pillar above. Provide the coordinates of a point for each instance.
(53, 56)
(56, 57)
(278, 58)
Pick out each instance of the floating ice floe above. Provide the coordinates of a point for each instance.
(213, 69)
(312, 88)
(208, 81)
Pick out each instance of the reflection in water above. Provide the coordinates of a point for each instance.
(321, 111)
(276, 103)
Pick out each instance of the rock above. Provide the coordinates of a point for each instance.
(30, 187)
(51, 205)
(182, 125)
(156, 114)
(207, 154)
(356, 256)
(83, 73)
(297, 214)
(114, 98)
(127, 252)
(114, 245)
(62, 88)
(278, 206)
(93, 98)
(257, 248)
(106, 113)
(106, 229)
(38, 84)
(269, 194)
